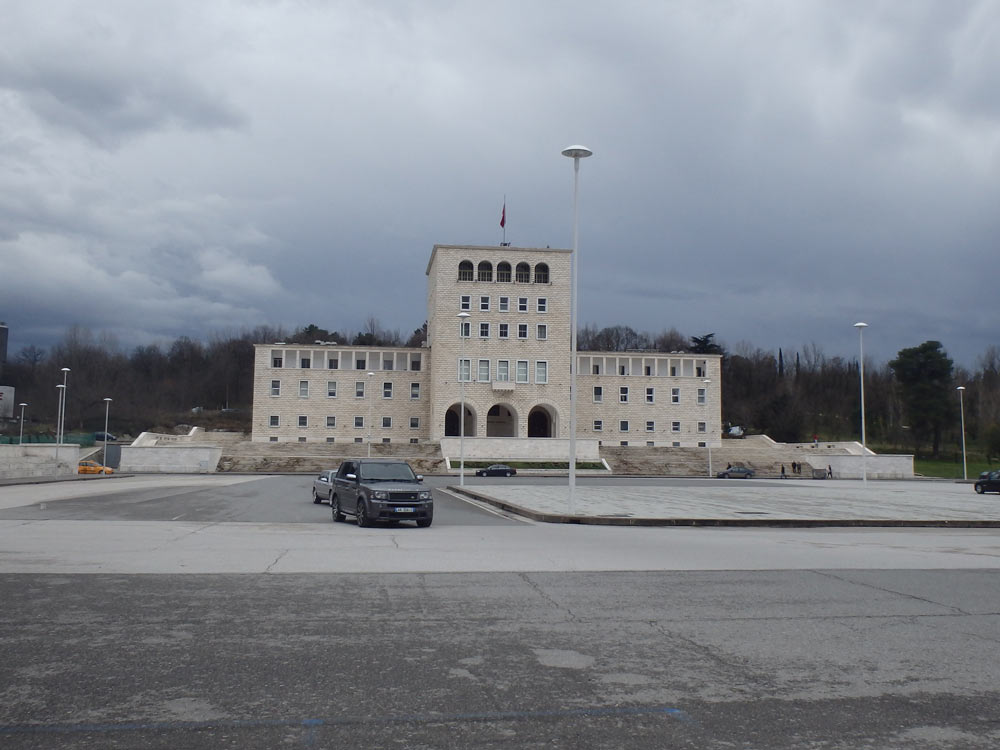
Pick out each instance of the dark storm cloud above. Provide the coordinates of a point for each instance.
(772, 171)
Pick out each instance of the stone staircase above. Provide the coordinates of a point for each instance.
(245, 456)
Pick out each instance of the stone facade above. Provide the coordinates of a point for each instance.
(509, 359)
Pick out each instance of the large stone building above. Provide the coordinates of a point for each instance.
(498, 333)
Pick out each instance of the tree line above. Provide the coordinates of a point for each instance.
(911, 402)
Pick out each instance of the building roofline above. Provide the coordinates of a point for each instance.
(491, 248)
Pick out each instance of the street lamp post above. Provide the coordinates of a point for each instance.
(708, 433)
(575, 153)
(371, 410)
(861, 370)
(61, 412)
(20, 438)
(463, 318)
(961, 407)
(107, 411)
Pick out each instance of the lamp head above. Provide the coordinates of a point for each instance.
(577, 152)
(960, 388)
(859, 326)
(463, 315)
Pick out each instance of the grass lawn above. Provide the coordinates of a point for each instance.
(949, 468)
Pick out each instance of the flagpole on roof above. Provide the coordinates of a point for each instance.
(503, 220)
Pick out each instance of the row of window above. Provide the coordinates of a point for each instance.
(503, 330)
(484, 272)
(624, 394)
(502, 371)
(274, 439)
(331, 422)
(333, 363)
(623, 426)
(331, 389)
(503, 304)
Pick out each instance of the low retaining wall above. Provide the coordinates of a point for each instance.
(38, 460)
(523, 449)
(876, 466)
(170, 459)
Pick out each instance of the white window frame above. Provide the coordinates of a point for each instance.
(650, 395)
(386, 423)
(305, 363)
(598, 394)
(484, 303)
(484, 330)
(359, 389)
(622, 425)
(303, 389)
(675, 426)
(541, 368)
(503, 370)
(331, 422)
(521, 373)
(274, 421)
(464, 370)
(303, 420)
(650, 425)
(503, 330)
(479, 371)
(465, 329)
(623, 394)
(359, 422)
(503, 304)
(331, 389)
(465, 303)
(541, 332)
(414, 423)
(675, 395)
(702, 427)
(702, 395)
(333, 363)
(275, 387)
(387, 389)
(598, 425)
(542, 304)
(414, 391)
(522, 331)
(522, 304)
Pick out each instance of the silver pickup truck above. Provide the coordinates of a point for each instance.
(375, 490)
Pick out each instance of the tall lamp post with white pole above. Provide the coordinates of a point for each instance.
(708, 433)
(575, 153)
(371, 411)
(961, 407)
(861, 370)
(20, 439)
(61, 412)
(107, 411)
(463, 321)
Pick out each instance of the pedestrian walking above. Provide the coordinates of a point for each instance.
(783, 472)
(829, 471)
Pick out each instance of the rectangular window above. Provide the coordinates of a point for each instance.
(359, 440)
(415, 363)
(673, 374)
(388, 364)
(386, 422)
(466, 303)
(648, 370)
(623, 425)
(503, 370)
(542, 304)
(359, 364)
(522, 371)
(675, 426)
(303, 420)
(623, 394)
(598, 394)
(504, 304)
(702, 427)
(464, 370)
(622, 370)
(304, 389)
(273, 439)
(465, 329)
(275, 421)
(414, 423)
(331, 389)
(701, 395)
(650, 426)
(414, 390)
(302, 439)
(386, 390)
(675, 395)
(359, 389)
(484, 371)
(305, 363)
(386, 440)
(331, 439)
(331, 421)
(541, 372)
(522, 304)
(484, 304)
(650, 394)
(359, 422)
(598, 425)
(542, 332)
(504, 330)
(333, 363)
(699, 371)
(276, 361)
(275, 387)
(522, 330)
(484, 330)
(414, 440)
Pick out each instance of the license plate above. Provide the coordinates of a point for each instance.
(404, 510)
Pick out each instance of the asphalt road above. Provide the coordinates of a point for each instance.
(797, 658)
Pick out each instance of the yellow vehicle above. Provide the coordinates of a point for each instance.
(92, 467)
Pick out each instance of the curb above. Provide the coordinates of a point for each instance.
(542, 517)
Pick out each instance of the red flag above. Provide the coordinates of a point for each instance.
(503, 215)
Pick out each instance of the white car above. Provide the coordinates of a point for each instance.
(323, 486)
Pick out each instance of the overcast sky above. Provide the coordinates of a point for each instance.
(771, 171)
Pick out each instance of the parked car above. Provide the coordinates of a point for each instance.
(322, 490)
(988, 483)
(92, 467)
(104, 436)
(736, 472)
(496, 470)
(375, 490)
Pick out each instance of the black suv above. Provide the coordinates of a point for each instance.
(989, 481)
(374, 490)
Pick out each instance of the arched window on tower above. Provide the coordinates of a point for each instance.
(541, 273)
(523, 273)
(465, 271)
(485, 271)
(503, 271)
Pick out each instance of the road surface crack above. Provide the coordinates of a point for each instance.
(276, 560)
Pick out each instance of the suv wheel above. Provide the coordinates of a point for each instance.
(361, 514)
(335, 505)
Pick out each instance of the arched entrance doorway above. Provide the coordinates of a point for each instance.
(451, 421)
(540, 423)
(501, 421)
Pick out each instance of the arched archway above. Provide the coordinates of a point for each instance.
(466, 271)
(485, 271)
(541, 423)
(451, 421)
(541, 273)
(501, 421)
